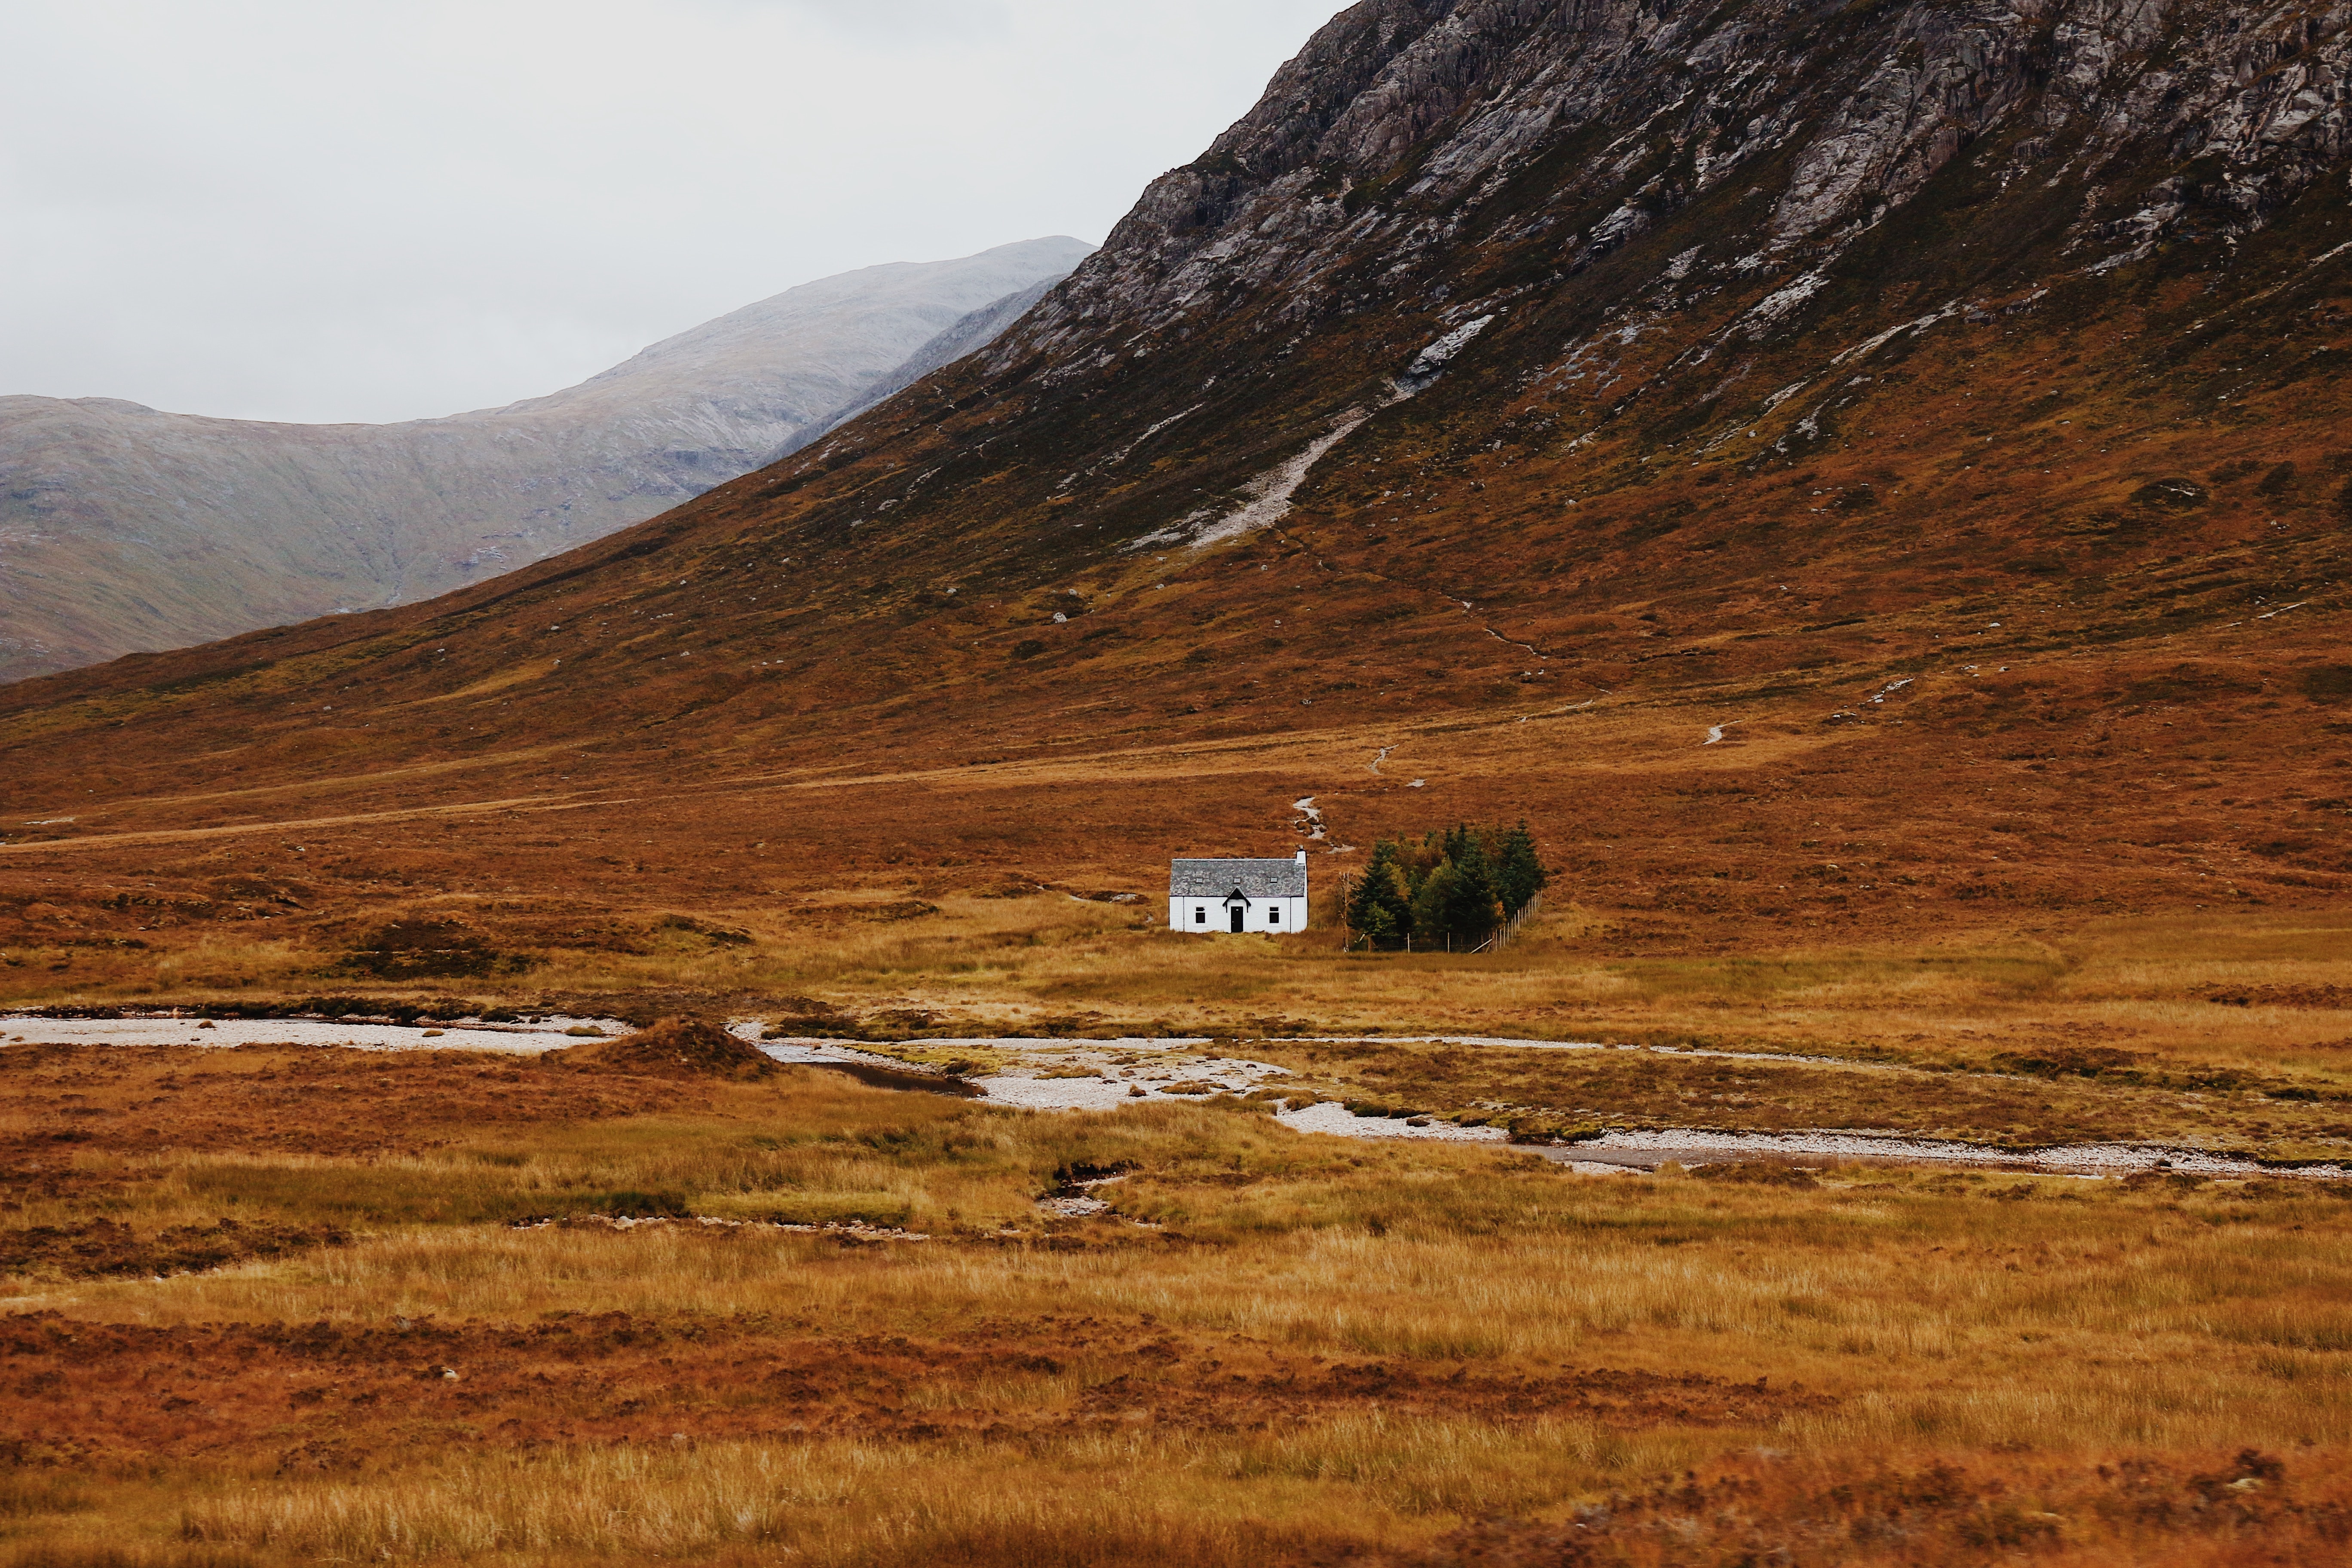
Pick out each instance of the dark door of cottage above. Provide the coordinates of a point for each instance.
(1238, 911)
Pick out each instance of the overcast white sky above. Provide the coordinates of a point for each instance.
(330, 210)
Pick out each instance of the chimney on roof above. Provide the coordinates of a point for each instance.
(1302, 857)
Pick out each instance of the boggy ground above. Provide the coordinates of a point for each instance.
(2226, 1030)
(542, 1314)
(2038, 1100)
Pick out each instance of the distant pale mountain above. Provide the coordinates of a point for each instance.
(124, 529)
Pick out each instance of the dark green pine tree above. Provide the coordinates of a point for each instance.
(1471, 910)
(1432, 905)
(1379, 909)
(1520, 872)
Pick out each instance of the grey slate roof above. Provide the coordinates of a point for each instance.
(1255, 879)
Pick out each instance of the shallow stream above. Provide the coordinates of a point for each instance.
(195, 1029)
(1102, 1074)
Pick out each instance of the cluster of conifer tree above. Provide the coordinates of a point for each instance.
(1453, 888)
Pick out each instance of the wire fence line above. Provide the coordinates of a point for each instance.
(1502, 936)
(1510, 928)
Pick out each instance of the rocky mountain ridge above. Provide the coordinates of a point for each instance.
(123, 527)
(1565, 134)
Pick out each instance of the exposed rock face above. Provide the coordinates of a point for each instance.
(1412, 127)
(124, 529)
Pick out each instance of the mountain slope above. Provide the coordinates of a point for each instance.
(122, 528)
(1832, 469)
(975, 332)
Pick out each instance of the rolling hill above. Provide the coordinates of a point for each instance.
(124, 529)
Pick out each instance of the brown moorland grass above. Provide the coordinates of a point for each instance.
(1814, 884)
(1274, 1348)
(2122, 1030)
(2247, 990)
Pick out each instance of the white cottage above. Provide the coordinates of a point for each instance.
(1206, 896)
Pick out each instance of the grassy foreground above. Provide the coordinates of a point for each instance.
(359, 1308)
